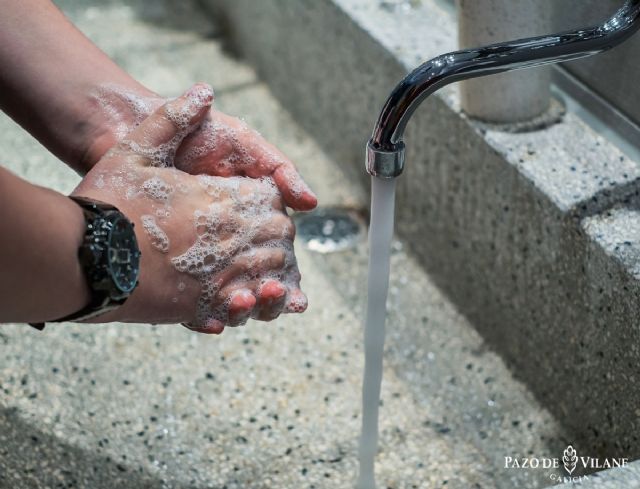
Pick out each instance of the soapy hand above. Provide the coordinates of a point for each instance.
(227, 146)
(222, 146)
(215, 250)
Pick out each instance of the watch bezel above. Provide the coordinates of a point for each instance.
(135, 254)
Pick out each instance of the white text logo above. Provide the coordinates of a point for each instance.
(570, 461)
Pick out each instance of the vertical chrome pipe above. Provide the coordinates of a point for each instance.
(385, 149)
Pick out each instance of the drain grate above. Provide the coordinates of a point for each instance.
(330, 229)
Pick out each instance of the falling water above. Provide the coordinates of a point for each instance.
(380, 233)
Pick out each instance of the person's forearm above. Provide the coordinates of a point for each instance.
(40, 233)
(49, 74)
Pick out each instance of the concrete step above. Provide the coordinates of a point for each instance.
(263, 406)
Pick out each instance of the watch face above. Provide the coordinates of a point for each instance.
(124, 255)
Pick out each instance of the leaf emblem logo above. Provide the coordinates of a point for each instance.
(570, 459)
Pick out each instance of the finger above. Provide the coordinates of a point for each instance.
(169, 124)
(251, 264)
(296, 301)
(295, 191)
(205, 151)
(210, 326)
(272, 297)
(279, 227)
(224, 139)
(269, 161)
(241, 304)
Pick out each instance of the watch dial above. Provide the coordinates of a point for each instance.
(124, 255)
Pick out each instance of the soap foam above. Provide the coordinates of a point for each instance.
(220, 242)
(222, 234)
(229, 145)
(125, 110)
(157, 236)
(157, 189)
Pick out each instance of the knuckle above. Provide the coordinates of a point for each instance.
(275, 259)
(278, 203)
(173, 115)
(241, 264)
(280, 258)
(286, 226)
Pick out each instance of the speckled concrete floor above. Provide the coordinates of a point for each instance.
(264, 406)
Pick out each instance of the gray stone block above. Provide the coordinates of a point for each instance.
(495, 216)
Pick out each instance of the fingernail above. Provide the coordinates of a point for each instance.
(201, 91)
(241, 305)
(213, 326)
(198, 97)
(274, 290)
(309, 195)
(297, 302)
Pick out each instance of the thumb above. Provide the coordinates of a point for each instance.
(156, 139)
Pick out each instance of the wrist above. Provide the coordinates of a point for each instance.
(73, 281)
(41, 233)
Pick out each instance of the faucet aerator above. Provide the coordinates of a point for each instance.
(385, 163)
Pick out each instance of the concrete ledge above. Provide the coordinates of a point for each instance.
(497, 218)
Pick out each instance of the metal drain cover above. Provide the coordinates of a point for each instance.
(330, 229)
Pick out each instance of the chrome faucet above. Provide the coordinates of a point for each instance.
(385, 149)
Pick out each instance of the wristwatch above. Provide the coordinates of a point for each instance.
(110, 259)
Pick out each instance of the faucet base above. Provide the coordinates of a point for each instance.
(385, 163)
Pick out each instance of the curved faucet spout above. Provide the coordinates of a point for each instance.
(385, 149)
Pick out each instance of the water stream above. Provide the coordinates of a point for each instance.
(380, 234)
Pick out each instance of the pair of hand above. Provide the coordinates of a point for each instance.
(217, 244)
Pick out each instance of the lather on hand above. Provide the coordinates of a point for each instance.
(78, 103)
(222, 146)
(215, 250)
